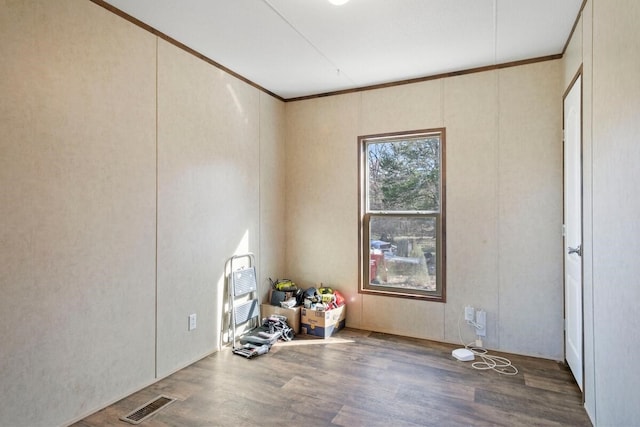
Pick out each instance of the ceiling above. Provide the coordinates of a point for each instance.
(296, 48)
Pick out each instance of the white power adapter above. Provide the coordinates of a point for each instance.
(463, 354)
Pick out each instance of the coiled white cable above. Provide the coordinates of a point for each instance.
(500, 364)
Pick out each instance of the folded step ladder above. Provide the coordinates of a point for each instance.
(244, 306)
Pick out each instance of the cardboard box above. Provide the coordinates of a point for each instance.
(292, 315)
(322, 323)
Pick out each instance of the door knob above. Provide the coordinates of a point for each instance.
(577, 250)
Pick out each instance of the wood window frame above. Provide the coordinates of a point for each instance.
(364, 218)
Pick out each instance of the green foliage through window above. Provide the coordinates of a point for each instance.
(404, 175)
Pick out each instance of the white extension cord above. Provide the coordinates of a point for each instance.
(501, 365)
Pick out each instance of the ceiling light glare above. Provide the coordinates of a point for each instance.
(338, 2)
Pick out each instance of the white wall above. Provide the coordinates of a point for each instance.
(616, 229)
(129, 172)
(77, 210)
(605, 46)
(208, 197)
(271, 254)
(503, 202)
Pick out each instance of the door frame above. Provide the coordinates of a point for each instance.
(578, 75)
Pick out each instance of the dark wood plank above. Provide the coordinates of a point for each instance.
(358, 378)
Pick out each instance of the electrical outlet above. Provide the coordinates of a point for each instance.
(481, 321)
(192, 321)
(469, 313)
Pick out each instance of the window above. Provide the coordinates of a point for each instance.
(402, 205)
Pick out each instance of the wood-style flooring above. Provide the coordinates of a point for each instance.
(358, 378)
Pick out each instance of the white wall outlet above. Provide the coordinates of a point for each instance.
(192, 321)
(469, 313)
(481, 321)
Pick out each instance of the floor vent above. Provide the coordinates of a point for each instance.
(140, 414)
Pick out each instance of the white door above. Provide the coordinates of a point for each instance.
(573, 229)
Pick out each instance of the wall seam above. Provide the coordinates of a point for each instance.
(359, 212)
(498, 327)
(593, 323)
(498, 169)
(442, 115)
(259, 196)
(155, 352)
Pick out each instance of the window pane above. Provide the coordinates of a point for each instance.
(403, 252)
(404, 175)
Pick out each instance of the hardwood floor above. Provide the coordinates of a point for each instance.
(358, 378)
